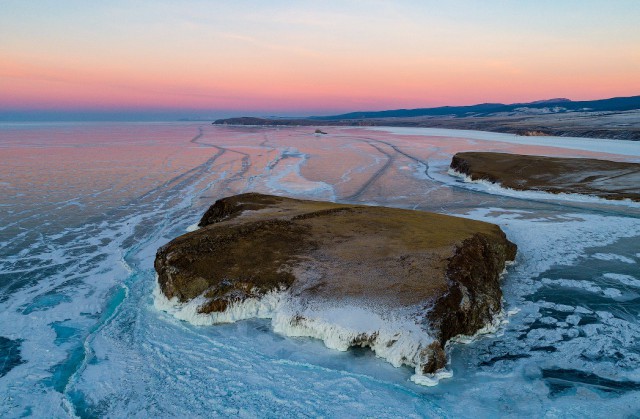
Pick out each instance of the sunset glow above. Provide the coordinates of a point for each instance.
(312, 57)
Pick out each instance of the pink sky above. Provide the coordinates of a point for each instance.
(305, 58)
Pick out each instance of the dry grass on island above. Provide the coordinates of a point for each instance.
(602, 178)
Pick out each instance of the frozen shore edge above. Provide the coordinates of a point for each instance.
(496, 188)
(398, 340)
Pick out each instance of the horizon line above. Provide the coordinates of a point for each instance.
(151, 114)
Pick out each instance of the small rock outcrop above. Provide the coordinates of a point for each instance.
(438, 274)
(602, 178)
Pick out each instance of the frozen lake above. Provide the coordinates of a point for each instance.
(83, 208)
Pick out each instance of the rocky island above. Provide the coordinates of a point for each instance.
(602, 178)
(401, 282)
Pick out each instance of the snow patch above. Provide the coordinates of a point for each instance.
(491, 328)
(583, 285)
(612, 256)
(192, 227)
(431, 380)
(623, 279)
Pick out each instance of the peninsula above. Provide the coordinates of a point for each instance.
(615, 118)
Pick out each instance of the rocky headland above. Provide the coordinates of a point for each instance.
(398, 281)
(602, 178)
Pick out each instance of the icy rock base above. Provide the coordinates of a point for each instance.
(397, 339)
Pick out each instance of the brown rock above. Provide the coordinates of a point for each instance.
(447, 268)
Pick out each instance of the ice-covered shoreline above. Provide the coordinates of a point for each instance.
(398, 339)
(497, 189)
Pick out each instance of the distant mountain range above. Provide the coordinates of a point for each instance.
(484, 109)
(616, 118)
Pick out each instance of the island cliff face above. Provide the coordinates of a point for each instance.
(437, 275)
(601, 178)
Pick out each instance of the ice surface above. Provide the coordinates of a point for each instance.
(77, 279)
(621, 147)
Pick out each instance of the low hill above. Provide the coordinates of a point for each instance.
(614, 118)
(563, 105)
